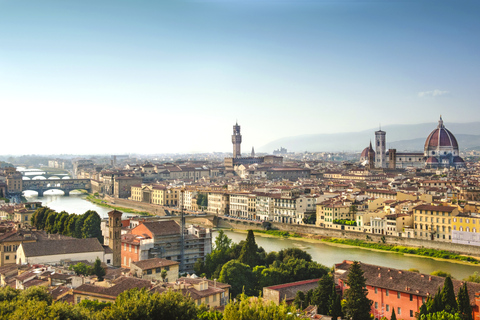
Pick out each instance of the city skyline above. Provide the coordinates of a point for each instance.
(172, 77)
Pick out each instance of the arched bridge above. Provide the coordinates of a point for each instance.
(66, 185)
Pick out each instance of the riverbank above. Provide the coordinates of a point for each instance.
(440, 255)
(103, 203)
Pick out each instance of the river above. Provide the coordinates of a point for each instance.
(324, 253)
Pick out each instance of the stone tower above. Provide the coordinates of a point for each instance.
(237, 141)
(115, 241)
(371, 157)
(380, 149)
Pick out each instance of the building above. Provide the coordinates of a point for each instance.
(380, 149)
(155, 194)
(108, 294)
(162, 239)
(399, 290)
(57, 251)
(441, 148)
(151, 269)
(114, 236)
(236, 141)
(287, 292)
(434, 222)
(218, 203)
(466, 229)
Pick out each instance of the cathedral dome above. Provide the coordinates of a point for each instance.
(441, 137)
(431, 160)
(364, 153)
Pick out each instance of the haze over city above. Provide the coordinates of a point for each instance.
(173, 76)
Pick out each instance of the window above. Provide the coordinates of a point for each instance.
(388, 307)
(135, 249)
(376, 305)
(411, 297)
(375, 290)
(386, 292)
(411, 313)
(399, 311)
(214, 298)
(398, 295)
(207, 299)
(130, 248)
(7, 257)
(149, 271)
(79, 299)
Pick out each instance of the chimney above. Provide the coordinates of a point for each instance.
(214, 283)
(379, 275)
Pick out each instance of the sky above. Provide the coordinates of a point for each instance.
(120, 77)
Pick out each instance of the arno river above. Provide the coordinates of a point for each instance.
(321, 252)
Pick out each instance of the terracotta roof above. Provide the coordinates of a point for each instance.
(403, 281)
(162, 228)
(154, 263)
(120, 285)
(288, 291)
(435, 208)
(58, 247)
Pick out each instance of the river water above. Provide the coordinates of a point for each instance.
(321, 252)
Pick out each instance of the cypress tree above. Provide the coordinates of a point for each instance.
(249, 254)
(463, 300)
(357, 306)
(336, 305)
(322, 294)
(448, 297)
(393, 316)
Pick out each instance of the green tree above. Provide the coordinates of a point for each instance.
(448, 296)
(140, 304)
(249, 254)
(441, 315)
(222, 242)
(79, 226)
(357, 306)
(336, 305)
(296, 253)
(7, 293)
(441, 273)
(239, 276)
(299, 300)
(82, 269)
(69, 229)
(257, 309)
(61, 221)
(393, 316)
(475, 277)
(163, 274)
(463, 301)
(50, 222)
(91, 226)
(322, 294)
(98, 270)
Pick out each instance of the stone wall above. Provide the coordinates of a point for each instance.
(345, 234)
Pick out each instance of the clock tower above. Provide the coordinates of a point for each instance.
(115, 229)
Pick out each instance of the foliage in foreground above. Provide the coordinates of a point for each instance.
(253, 308)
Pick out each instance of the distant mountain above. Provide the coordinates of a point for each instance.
(401, 137)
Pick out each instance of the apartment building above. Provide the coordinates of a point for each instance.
(434, 222)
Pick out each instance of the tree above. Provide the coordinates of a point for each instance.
(140, 304)
(441, 273)
(222, 242)
(239, 276)
(463, 300)
(258, 309)
(286, 254)
(299, 300)
(163, 274)
(448, 296)
(82, 269)
(475, 277)
(69, 229)
(336, 305)
(249, 254)
(91, 226)
(357, 306)
(393, 316)
(98, 270)
(322, 294)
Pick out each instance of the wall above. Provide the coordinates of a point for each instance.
(345, 234)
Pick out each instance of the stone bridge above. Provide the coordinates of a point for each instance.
(66, 185)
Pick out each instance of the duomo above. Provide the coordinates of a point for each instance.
(440, 151)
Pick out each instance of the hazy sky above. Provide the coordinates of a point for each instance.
(123, 76)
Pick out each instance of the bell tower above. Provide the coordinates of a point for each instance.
(380, 149)
(236, 141)
(115, 230)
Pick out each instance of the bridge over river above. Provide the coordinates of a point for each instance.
(66, 185)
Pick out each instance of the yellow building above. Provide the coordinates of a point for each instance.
(10, 243)
(466, 229)
(434, 222)
(151, 269)
(329, 211)
(155, 194)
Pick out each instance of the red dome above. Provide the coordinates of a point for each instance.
(441, 137)
(432, 160)
(458, 160)
(364, 153)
